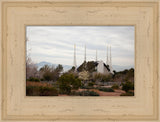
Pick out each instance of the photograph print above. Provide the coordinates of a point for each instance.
(80, 60)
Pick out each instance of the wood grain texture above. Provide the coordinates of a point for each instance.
(17, 14)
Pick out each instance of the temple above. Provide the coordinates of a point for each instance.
(100, 66)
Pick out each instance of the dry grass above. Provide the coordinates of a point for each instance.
(101, 93)
(29, 83)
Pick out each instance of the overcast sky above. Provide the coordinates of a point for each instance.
(55, 44)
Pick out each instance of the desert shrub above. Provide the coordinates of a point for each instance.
(48, 91)
(50, 73)
(32, 91)
(64, 89)
(105, 89)
(102, 77)
(41, 91)
(92, 93)
(67, 82)
(33, 79)
(127, 86)
(47, 76)
(87, 87)
(36, 80)
(115, 86)
(74, 93)
(84, 93)
(91, 84)
(127, 94)
(76, 83)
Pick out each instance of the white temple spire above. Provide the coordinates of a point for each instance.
(107, 60)
(110, 57)
(111, 69)
(74, 62)
(85, 53)
(96, 55)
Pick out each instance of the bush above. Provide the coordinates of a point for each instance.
(50, 73)
(92, 93)
(67, 82)
(115, 86)
(127, 94)
(105, 89)
(47, 76)
(91, 84)
(41, 91)
(32, 91)
(33, 79)
(64, 89)
(48, 91)
(87, 87)
(127, 86)
(102, 78)
(84, 93)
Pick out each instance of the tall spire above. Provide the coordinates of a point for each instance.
(110, 57)
(96, 55)
(111, 69)
(85, 53)
(107, 61)
(74, 62)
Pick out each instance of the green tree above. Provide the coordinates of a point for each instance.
(127, 86)
(46, 72)
(49, 73)
(76, 83)
(72, 70)
(45, 68)
(47, 76)
(59, 68)
(67, 82)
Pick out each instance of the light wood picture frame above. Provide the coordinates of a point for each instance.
(17, 14)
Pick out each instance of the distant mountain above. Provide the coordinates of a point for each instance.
(121, 68)
(67, 67)
(41, 64)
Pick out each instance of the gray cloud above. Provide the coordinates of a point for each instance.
(55, 43)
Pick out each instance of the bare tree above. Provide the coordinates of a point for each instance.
(31, 68)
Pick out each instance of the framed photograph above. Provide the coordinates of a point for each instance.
(79, 60)
(76, 61)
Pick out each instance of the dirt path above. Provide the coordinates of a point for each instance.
(116, 93)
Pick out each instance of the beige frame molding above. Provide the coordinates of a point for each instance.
(17, 14)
